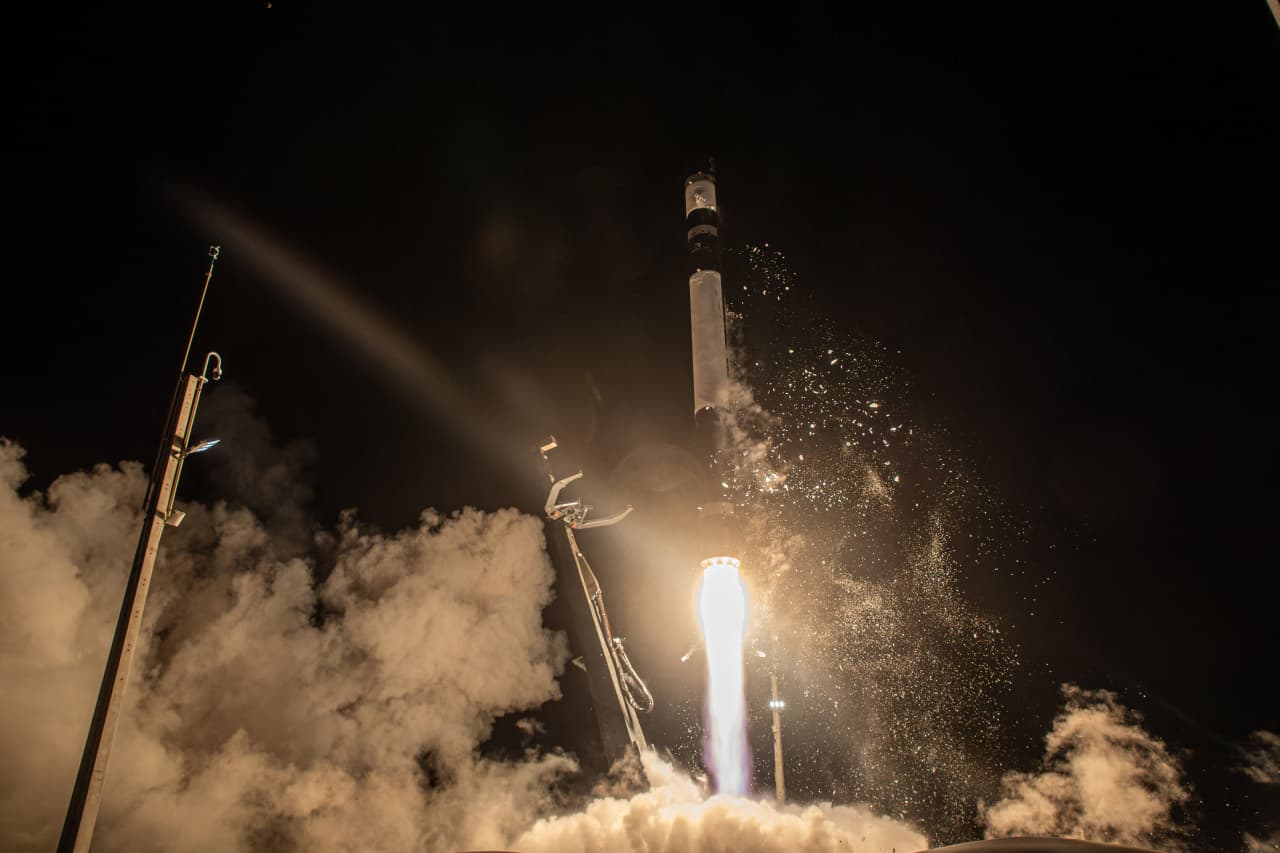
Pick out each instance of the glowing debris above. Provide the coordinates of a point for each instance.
(861, 589)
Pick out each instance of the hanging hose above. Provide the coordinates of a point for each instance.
(631, 680)
(628, 679)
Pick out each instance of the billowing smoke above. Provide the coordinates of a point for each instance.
(1104, 778)
(1254, 844)
(675, 816)
(1262, 766)
(327, 691)
(271, 708)
(1262, 762)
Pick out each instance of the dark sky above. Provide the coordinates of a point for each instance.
(1063, 219)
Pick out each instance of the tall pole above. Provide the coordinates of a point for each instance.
(158, 511)
(779, 778)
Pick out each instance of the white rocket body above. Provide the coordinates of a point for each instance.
(706, 296)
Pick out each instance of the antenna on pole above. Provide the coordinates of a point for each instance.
(158, 512)
(214, 251)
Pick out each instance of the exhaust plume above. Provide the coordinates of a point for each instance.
(722, 608)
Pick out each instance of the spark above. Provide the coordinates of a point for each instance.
(856, 561)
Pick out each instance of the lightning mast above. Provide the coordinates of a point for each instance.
(776, 705)
(158, 513)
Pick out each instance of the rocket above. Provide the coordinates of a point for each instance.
(722, 603)
(710, 357)
(706, 307)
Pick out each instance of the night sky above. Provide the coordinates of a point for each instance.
(1061, 222)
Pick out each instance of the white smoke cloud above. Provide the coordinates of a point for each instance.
(275, 709)
(1262, 761)
(1104, 778)
(1262, 765)
(270, 709)
(1270, 844)
(674, 816)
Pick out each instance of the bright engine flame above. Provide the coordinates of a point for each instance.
(722, 607)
